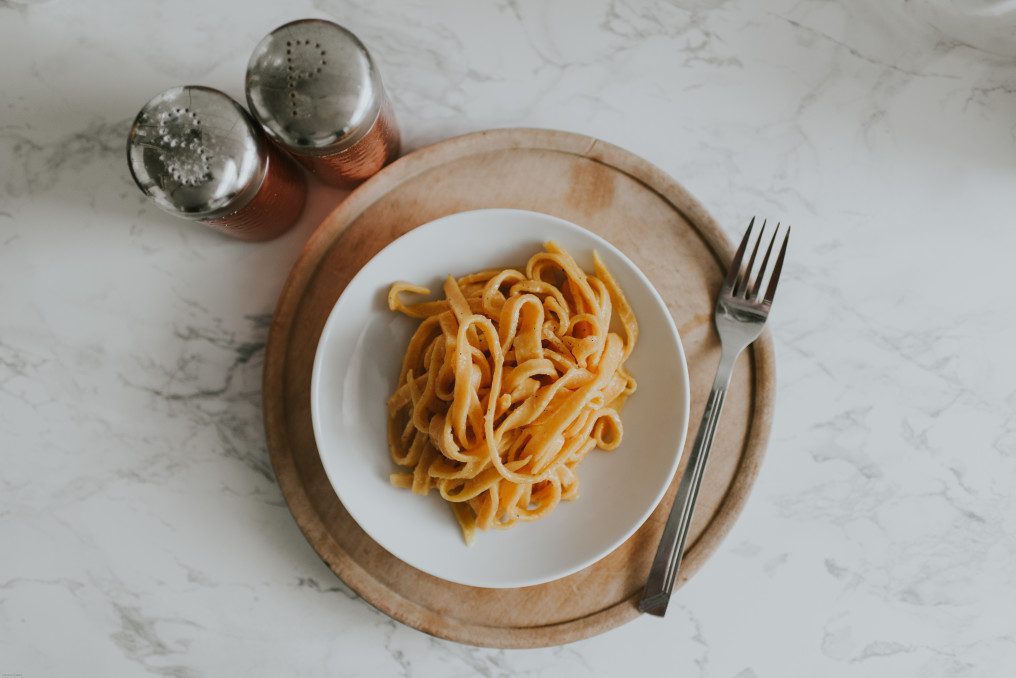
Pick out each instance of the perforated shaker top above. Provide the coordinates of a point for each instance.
(313, 87)
(196, 152)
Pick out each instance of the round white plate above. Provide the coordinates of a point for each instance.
(357, 365)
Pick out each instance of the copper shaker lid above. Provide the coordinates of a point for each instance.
(313, 87)
(196, 152)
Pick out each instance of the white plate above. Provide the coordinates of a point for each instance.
(357, 364)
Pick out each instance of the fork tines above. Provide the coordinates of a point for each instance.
(745, 281)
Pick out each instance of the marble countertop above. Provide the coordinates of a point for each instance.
(141, 529)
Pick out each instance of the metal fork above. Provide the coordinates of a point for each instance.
(741, 312)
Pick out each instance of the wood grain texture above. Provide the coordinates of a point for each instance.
(639, 209)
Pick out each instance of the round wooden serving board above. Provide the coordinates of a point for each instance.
(623, 198)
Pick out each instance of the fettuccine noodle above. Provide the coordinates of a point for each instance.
(507, 384)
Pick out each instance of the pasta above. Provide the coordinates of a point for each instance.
(507, 384)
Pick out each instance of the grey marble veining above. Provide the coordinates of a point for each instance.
(141, 529)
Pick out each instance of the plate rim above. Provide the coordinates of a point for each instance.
(421, 231)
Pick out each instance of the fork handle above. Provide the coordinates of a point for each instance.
(663, 573)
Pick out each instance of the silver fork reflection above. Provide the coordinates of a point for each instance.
(741, 312)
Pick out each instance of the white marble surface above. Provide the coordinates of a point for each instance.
(141, 530)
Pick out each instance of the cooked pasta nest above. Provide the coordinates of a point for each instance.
(507, 384)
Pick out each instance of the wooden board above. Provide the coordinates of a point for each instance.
(628, 201)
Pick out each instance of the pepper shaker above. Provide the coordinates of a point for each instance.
(315, 90)
(198, 154)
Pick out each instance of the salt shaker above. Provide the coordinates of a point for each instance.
(317, 93)
(198, 154)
